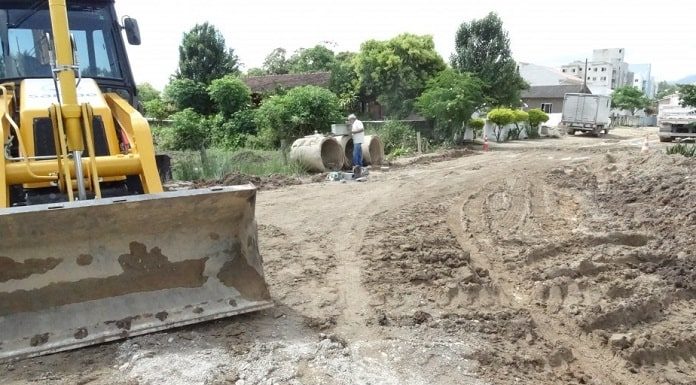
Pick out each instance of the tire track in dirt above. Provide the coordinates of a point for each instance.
(474, 216)
(544, 256)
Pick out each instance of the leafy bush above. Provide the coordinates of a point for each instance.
(519, 116)
(299, 112)
(232, 132)
(157, 109)
(397, 137)
(536, 117)
(230, 95)
(189, 131)
(682, 149)
(477, 125)
(186, 93)
(501, 117)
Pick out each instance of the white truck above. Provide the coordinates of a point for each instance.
(675, 121)
(587, 113)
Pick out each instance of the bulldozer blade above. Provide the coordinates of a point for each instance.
(82, 273)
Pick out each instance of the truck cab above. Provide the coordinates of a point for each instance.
(674, 120)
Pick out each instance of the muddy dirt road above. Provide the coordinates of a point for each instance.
(541, 262)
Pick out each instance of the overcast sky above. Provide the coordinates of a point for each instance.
(544, 32)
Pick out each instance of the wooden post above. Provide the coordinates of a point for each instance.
(418, 138)
(283, 150)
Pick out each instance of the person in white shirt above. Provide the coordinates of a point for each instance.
(358, 131)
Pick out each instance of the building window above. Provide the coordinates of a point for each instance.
(635, 81)
(604, 69)
(594, 78)
(546, 107)
(604, 78)
(573, 70)
(563, 70)
(595, 69)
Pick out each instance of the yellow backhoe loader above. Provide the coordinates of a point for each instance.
(91, 248)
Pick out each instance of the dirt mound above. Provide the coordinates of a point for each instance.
(432, 158)
(269, 182)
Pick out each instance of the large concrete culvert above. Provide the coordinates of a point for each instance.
(346, 142)
(373, 150)
(318, 153)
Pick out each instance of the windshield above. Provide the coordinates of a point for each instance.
(25, 48)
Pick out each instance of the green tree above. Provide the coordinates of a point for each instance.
(687, 92)
(186, 93)
(482, 47)
(665, 89)
(315, 59)
(203, 55)
(147, 92)
(230, 94)
(299, 112)
(344, 80)
(157, 109)
(629, 98)
(450, 99)
(395, 71)
(501, 117)
(276, 62)
(536, 117)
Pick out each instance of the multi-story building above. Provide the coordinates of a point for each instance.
(607, 70)
(643, 80)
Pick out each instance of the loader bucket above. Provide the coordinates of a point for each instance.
(82, 273)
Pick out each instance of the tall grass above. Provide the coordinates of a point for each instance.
(682, 149)
(215, 164)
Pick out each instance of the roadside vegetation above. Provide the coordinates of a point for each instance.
(207, 115)
(685, 149)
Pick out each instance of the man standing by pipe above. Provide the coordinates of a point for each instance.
(358, 131)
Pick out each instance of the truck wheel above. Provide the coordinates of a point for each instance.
(570, 132)
(667, 139)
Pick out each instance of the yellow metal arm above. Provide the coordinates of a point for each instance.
(65, 72)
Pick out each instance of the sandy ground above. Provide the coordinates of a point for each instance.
(541, 262)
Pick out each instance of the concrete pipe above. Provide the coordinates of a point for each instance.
(346, 142)
(318, 153)
(373, 150)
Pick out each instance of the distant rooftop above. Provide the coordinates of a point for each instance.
(553, 92)
(537, 75)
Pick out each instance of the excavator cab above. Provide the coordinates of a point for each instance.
(91, 247)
